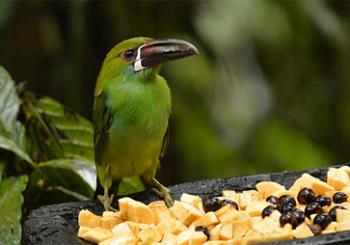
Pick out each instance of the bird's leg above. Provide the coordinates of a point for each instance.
(105, 199)
(161, 191)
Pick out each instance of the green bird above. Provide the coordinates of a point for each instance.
(132, 104)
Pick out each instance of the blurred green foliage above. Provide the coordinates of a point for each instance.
(270, 90)
(46, 155)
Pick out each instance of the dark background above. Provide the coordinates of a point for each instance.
(270, 90)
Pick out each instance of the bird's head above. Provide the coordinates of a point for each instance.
(141, 56)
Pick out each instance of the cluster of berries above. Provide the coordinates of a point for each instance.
(286, 205)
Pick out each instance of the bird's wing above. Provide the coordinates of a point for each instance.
(102, 119)
(165, 143)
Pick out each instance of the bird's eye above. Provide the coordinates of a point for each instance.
(128, 55)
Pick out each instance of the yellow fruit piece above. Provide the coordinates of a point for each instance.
(332, 227)
(170, 226)
(222, 210)
(320, 187)
(338, 178)
(275, 215)
(266, 226)
(252, 237)
(229, 193)
(135, 211)
(195, 201)
(302, 231)
(247, 197)
(185, 212)
(120, 240)
(169, 238)
(215, 232)
(342, 215)
(160, 211)
(346, 190)
(96, 235)
(116, 215)
(206, 220)
(82, 230)
(344, 226)
(122, 229)
(88, 219)
(255, 208)
(267, 188)
(149, 235)
(191, 237)
(229, 215)
(226, 232)
(346, 169)
(287, 192)
(240, 227)
(109, 222)
(198, 238)
(305, 180)
(278, 236)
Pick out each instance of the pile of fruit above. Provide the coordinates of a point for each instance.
(270, 213)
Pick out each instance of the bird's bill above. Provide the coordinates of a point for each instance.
(159, 51)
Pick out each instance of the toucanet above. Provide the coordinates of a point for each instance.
(132, 104)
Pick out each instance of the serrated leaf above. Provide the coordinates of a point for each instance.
(9, 101)
(9, 145)
(11, 201)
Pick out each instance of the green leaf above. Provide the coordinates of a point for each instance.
(11, 201)
(9, 102)
(51, 180)
(10, 145)
(55, 132)
(75, 132)
(12, 132)
(130, 185)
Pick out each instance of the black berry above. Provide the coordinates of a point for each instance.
(333, 212)
(230, 202)
(323, 200)
(287, 207)
(272, 199)
(267, 211)
(285, 199)
(315, 229)
(285, 219)
(313, 208)
(204, 230)
(211, 204)
(340, 197)
(306, 195)
(322, 220)
(298, 217)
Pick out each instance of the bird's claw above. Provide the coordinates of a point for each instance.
(106, 202)
(164, 194)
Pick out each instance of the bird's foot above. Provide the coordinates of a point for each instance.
(162, 192)
(106, 202)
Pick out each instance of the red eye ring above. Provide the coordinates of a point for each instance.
(128, 55)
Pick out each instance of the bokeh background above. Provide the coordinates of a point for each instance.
(269, 92)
